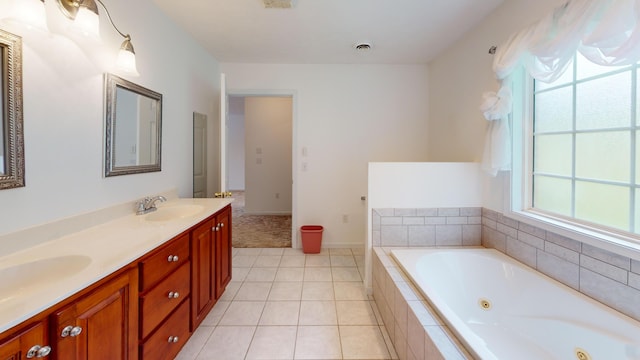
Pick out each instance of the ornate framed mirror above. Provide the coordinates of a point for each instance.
(133, 128)
(11, 115)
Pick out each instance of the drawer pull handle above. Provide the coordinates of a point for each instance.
(173, 294)
(38, 351)
(72, 331)
(173, 258)
(173, 339)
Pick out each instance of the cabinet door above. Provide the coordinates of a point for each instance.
(28, 344)
(223, 251)
(202, 272)
(101, 325)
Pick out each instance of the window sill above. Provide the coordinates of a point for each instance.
(616, 243)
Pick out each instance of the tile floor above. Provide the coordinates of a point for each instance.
(283, 304)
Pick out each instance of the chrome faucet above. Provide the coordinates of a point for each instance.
(148, 204)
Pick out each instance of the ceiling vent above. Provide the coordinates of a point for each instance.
(277, 4)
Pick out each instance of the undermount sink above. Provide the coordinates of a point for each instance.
(167, 213)
(38, 272)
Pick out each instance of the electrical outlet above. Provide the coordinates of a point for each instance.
(304, 166)
(277, 195)
(345, 218)
(259, 161)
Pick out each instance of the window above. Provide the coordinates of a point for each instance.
(586, 146)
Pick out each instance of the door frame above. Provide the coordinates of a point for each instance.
(294, 146)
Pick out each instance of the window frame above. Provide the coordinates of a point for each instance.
(518, 184)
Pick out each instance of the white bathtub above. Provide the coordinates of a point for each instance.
(502, 309)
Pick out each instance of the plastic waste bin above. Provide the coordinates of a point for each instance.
(311, 238)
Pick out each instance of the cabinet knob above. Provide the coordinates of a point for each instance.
(38, 351)
(173, 339)
(173, 258)
(221, 225)
(173, 294)
(215, 228)
(72, 331)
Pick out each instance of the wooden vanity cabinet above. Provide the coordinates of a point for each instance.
(30, 343)
(223, 250)
(101, 324)
(211, 263)
(165, 288)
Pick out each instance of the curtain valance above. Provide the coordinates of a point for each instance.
(606, 32)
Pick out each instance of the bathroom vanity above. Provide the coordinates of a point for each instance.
(132, 288)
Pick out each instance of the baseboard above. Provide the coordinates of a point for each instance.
(273, 213)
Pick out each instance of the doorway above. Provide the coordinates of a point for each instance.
(259, 169)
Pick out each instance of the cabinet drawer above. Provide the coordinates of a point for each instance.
(156, 304)
(163, 261)
(161, 344)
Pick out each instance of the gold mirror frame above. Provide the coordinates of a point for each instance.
(12, 176)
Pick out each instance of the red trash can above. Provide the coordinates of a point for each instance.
(311, 238)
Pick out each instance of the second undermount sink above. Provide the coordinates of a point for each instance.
(174, 212)
(40, 272)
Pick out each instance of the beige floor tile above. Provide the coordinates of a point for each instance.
(292, 252)
(250, 291)
(267, 261)
(239, 273)
(363, 342)
(261, 274)
(317, 290)
(292, 261)
(355, 313)
(243, 313)
(272, 251)
(244, 260)
(231, 291)
(273, 342)
(216, 313)
(343, 260)
(290, 274)
(227, 343)
(249, 251)
(197, 341)
(317, 261)
(349, 290)
(280, 313)
(318, 342)
(317, 274)
(289, 290)
(318, 313)
(345, 274)
(358, 250)
(340, 251)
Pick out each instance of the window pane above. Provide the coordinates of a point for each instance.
(552, 154)
(586, 68)
(637, 212)
(603, 156)
(552, 194)
(554, 110)
(604, 103)
(603, 204)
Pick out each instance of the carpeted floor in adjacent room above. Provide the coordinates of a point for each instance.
(258, 231)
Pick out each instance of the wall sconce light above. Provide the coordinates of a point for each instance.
(85, 16)
(86, 21)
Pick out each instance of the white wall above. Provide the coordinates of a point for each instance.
(63, 114)
(268, 138)
(459, 76)
(345, 116)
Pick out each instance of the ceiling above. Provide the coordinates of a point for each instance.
(325, 31)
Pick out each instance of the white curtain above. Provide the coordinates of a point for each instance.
(606, 32)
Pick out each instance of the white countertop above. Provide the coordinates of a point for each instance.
(106, 248)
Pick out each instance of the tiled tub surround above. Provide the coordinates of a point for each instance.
(607, 277)
(416, 330)
(427, 227)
